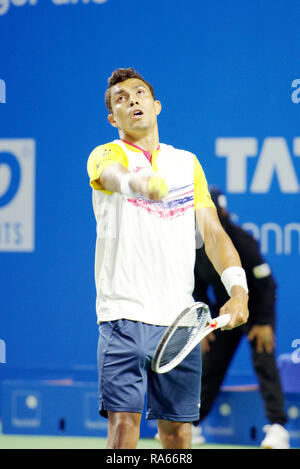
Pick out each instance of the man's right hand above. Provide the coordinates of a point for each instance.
(152, 187)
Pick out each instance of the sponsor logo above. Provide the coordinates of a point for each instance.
(274, 161)
(17, 190)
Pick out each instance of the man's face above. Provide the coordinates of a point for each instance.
(134, 109)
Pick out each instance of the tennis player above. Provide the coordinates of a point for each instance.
(145, 197)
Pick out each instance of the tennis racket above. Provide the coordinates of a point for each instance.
(188, 329)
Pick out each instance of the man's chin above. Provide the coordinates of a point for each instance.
(139, 127)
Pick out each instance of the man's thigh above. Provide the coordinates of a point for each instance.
(124, 356)
(175, 396)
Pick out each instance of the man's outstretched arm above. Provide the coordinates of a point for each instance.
(116, 178)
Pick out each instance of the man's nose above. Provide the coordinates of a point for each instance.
(133, 100)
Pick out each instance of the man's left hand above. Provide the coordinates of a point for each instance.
(237, 307)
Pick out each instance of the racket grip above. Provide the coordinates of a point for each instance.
(223, 320)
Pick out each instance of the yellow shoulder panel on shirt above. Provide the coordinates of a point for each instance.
(202, 196)
(102, 157)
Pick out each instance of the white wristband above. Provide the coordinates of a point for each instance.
(125, 188)
(234, 276)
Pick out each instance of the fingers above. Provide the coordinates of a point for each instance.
(251, 335)
(259, 345)
(264, 345)
(211, 337)
(264, 337)
(229, 325)
(152, 187)
(157, 187)
(237, 318)
(269, 346)
(205, 343)
(237, 308)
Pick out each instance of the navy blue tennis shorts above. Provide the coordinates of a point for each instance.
(125, 351)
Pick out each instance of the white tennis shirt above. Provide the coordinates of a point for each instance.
(145, 250)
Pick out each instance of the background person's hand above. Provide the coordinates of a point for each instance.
(205, 343)
(264, 336)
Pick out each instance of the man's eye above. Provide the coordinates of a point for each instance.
(140, 92)
(121, 98)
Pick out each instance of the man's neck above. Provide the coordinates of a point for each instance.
(147, 142)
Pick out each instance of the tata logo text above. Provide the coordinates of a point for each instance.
(2, 91)
(2, 351)
(274, 160)
(5, 4)
(17, 182)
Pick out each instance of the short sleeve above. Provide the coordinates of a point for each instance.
(202, 196)
(102, 157)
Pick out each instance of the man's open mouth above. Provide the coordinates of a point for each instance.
(137, 114)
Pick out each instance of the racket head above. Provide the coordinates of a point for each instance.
(181, 337)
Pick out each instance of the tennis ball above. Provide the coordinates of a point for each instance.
(158, 184)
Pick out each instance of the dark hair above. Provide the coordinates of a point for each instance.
(119, 75)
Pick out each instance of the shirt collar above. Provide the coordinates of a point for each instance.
(145, 152)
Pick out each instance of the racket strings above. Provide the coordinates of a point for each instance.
(187, 329)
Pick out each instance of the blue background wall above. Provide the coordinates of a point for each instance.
(223, 70)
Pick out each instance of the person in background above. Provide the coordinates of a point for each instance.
(219, 348)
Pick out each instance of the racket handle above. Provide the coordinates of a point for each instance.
(222, 320)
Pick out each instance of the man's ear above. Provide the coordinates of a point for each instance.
(111, 120)
(157, 105)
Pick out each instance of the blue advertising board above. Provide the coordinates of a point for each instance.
(228, 76)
